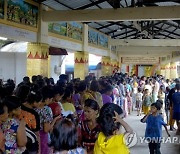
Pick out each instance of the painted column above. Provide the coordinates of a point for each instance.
(37, 59)
(105, 66)
(173, 70)
(167, 71)
(147, 71)
(114, 66)
(38, 52)
(81, 65)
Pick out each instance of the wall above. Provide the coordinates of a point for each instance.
(55, 69)
(13, 66)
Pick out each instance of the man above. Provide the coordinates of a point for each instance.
(171, 92)
(155, 89)
(176, 107)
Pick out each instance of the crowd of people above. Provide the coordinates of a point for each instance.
(79, 117)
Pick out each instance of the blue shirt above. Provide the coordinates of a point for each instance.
(154, 126)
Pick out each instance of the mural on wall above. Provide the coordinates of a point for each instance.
(22, 12)
(75, 30)
(102, 40)
(58, 28)
(97, 38)
(92, 37)
(1, 9)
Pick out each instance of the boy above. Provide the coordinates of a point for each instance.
(154, 122)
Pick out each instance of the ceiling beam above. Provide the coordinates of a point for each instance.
(146, 42)
(120, 14)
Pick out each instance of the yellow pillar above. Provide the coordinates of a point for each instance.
(167, 71)
(37, 59)
(163, 72)
(147, 71)
(105, 66)
(81, 65)
(173, 70)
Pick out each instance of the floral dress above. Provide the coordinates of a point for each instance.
(78, 150)
(10, 128)
(46, 116)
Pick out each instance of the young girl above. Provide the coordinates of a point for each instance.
(139, 97)
(13, 128)
(110, 140)
(129, 102)
(147, 101)
(64, 138)
(46, 119)
(32, 121)
(89, 127)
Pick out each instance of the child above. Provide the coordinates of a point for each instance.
(110, 139)
(147, 100)
(154, 122)
(139, 97)
(64, 137)
(129, 101)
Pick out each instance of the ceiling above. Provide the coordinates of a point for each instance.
(127, 29)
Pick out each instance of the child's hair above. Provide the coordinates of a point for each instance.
(105, 119)
(157, 105)
(47, 92)
(139, 89)
(82, 86)
(146, 90)
(177, 86)
(92, 104)
(94, 85)
(22, 92)
(67, 94)
(12, 103)
(34, 97)
(58, 90)
(108, 87)
(64, 136)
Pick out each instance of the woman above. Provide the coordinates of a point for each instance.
(64, 138)
(89, 127)
(66, 102)
(106, 96)
(110, 139)
(46, 119)
(94, 88)
(13, 128)
(32, 120)
(3, 118)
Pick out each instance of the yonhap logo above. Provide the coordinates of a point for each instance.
(130, 139)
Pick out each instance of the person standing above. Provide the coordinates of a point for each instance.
(176, 107)
(153, 133)
(155, 89)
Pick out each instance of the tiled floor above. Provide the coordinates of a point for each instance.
(142, 148)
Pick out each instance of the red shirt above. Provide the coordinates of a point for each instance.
(56, 109)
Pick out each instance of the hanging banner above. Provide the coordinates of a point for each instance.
(140, 60)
